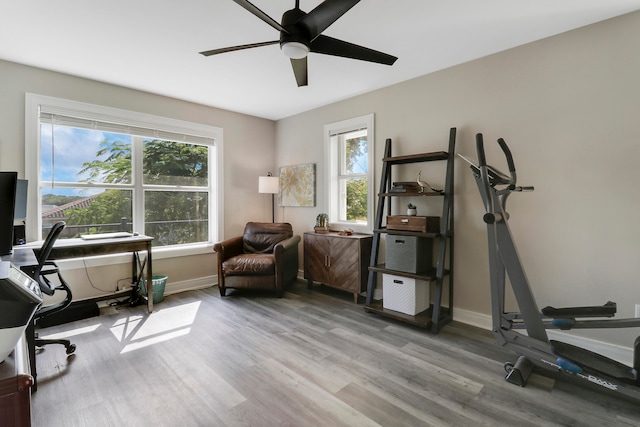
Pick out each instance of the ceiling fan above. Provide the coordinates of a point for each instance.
(301, 33)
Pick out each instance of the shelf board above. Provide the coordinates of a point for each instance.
(410, 233)
(422, 319)
(429, 275)
(415, 158)
(412, 194)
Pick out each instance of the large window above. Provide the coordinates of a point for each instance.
(102, 170)
(349, 154)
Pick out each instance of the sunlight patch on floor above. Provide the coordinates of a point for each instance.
(70, 333)
(162, 325)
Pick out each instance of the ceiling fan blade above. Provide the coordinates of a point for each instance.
(260, 14)
(300, 70)
(325, 14)
(330, 46)
(234, 48)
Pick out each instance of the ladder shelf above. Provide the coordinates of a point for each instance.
(437, 314)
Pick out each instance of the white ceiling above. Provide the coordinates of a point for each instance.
(153, 45)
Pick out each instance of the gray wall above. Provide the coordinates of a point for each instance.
(568, 106)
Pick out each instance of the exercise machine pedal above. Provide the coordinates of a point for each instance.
(607, 310)
(518, 374)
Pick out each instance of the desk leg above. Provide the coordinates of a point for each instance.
(134, 269)
(149, 280)
(31, 344)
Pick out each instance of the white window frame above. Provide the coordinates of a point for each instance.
(34, 103)
(332, 159)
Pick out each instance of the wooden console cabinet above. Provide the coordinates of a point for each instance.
(15, 388)
(337, 261)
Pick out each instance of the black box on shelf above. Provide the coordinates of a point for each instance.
(410, 254)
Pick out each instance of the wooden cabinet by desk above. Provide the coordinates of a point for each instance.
(337, 261)
(15, 388)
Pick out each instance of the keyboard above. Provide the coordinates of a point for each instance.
(99, 236)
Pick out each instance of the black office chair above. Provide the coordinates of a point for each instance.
(39, 273)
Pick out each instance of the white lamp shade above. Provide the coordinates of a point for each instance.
(269, 184)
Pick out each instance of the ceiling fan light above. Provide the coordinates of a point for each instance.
(295, 50)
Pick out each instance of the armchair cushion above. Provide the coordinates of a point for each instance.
(255, 265)
(260, 238)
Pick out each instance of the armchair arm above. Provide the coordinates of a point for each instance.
(286, 245)
(225, 250)
(228, 248)
(286, 258)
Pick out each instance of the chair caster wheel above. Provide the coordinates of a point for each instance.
(71, 349)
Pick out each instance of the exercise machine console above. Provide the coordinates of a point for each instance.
(535, 349)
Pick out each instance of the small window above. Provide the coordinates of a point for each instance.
(349, 150)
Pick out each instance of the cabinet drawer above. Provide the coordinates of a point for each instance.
(425, 224)
(403, 294)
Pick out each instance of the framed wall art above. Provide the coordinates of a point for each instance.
(298, 185)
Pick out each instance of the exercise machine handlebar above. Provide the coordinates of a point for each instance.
(491, 177)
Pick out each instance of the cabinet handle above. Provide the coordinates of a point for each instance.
(328, 260)
(400, 282)
(400, 241)
(404, 220)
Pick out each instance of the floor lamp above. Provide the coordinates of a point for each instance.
(270, 185)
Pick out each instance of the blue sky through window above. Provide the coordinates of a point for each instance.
(71, 147)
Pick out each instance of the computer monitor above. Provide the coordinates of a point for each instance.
(8, 182)
(20, 211)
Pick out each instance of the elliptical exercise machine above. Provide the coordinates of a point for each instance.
(535, 348)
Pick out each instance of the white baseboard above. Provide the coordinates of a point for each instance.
(613, 351)
(472, 318)
(190, 285)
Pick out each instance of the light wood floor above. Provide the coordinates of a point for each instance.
(312, 358)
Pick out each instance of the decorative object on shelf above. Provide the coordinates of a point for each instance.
(412, 210)
(346, 232)
(298, 185)
(322, 223)
(269, 185)
(405, 187)
(422, 185)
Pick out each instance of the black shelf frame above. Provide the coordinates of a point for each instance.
(437, 315)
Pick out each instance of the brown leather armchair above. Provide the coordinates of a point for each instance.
(264, 257)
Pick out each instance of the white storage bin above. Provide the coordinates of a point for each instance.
(405, 294)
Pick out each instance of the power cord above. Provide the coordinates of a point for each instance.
(133, 300)
(86, 272)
